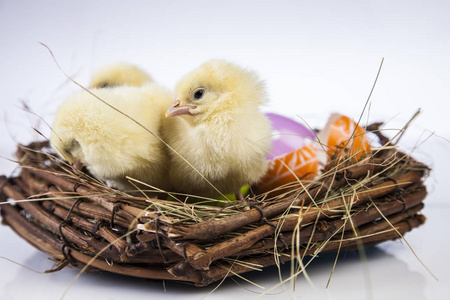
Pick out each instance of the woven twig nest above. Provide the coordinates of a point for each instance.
(80, 222)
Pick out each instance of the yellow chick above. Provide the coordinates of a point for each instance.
(216, 125)
(109, 144)
(119, 74)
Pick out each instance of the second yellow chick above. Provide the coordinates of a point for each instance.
(119, 74)
(109, 144)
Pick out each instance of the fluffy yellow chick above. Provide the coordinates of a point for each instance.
(216, 125)
(119, 74)
(109, 144)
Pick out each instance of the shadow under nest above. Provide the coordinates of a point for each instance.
(80, 222)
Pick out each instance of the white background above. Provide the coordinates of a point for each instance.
(317, 57)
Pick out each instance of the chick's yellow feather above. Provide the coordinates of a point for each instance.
(109, 144)
(119, 74)
(217, 126)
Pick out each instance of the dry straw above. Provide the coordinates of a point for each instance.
(82, 223)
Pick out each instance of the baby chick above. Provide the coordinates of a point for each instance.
(109, 144)
(119, 74)
(215, 124)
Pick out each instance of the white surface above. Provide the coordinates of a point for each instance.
(316, 59)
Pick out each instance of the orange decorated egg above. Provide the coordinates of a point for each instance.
(286, 170)
(344, 138)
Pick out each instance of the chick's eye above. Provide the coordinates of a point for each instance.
(198, 94)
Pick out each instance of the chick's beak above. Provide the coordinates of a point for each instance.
(177, 109)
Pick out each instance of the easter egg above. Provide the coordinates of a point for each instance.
(285, 171)
(292, 157)
(343, 138)
(288, 135)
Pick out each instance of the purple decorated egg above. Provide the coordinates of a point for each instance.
(288, 135)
